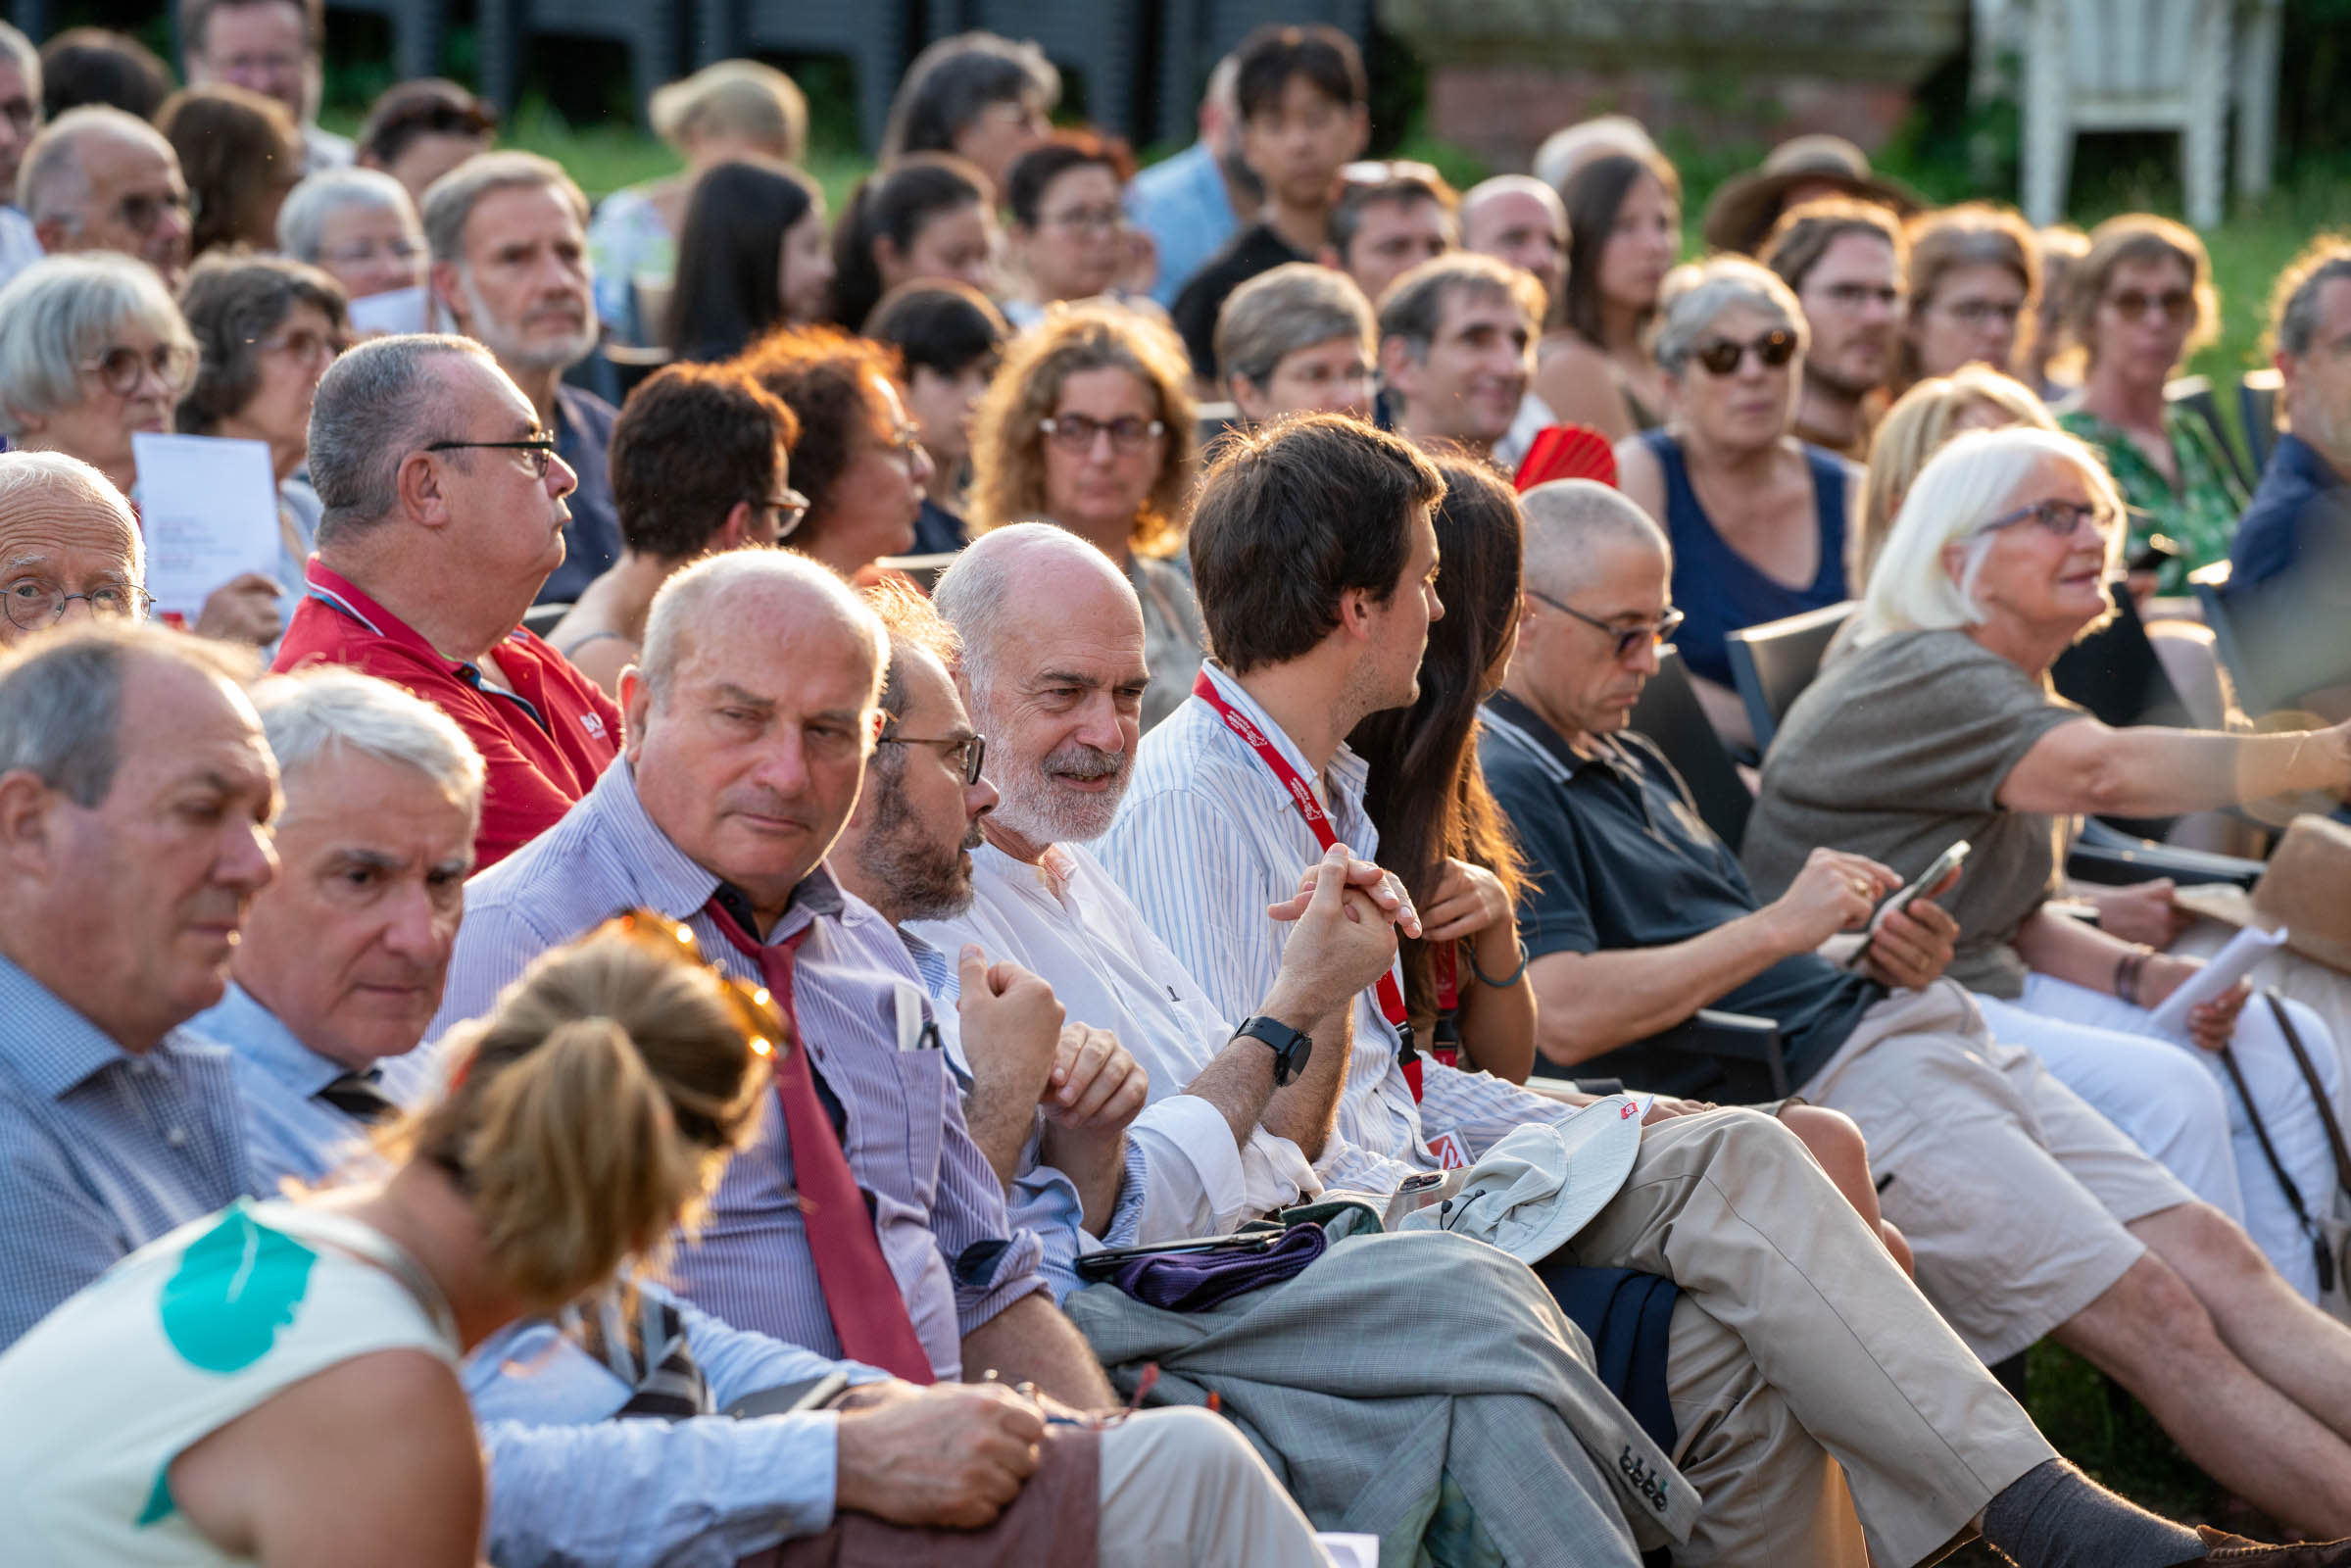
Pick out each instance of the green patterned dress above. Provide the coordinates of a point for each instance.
(2199, 517)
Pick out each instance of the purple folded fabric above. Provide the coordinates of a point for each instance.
(1193, 1281)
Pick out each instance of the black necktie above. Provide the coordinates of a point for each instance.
(357, 1096)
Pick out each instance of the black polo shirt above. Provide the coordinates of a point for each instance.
(1618, 858)
(1253, 249)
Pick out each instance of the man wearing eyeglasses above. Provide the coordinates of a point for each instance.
(1458, 350)
(70, 547)
(1847, 261)
(442, 512)
(510, 265)
(19, 119)
(270, 47)
(99, 179)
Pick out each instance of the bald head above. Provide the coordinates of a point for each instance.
(100, 179)
(1519, 219)
(751, 592)
(65, 528)
(1576, 528)
(1012, 582)
(1053, 665)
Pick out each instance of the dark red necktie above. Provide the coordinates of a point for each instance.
(860, 1294)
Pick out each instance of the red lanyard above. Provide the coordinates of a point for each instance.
(1388, 993)
(1444, 969)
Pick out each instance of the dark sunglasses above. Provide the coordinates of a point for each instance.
(2133, 304)
(1722, 357)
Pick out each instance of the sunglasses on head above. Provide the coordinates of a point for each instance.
(1722, 357)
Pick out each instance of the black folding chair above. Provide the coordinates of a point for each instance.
(1669, 714)
(1772, 663)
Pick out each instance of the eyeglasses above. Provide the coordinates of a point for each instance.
(2133, 304)
(905, 445)
(306, 346)
(31, 603)
(1629, 640)
(1853, 296)
(2062, 519)
(966, 753)
(1980, 312)
(539, 451)
(1075, 432)
(789, 509)
(398, 250)
(1089, 219)
(121, 367)
(140, 212)
(1722, 357)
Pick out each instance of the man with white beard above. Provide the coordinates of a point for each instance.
(510, 265)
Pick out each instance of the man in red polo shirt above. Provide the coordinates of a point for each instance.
(443, 514)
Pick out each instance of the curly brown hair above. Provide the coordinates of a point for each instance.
(232, 302)
(828, 377)
(1008, 449)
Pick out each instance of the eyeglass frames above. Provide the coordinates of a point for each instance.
(1627, 639)
(119, 367)
(539, 451)
(2062, 519)
(1075, 432)
(32, 603)
(974, 750)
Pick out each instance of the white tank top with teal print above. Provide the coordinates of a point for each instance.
(171, 1344)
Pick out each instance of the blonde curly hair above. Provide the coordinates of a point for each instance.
(1008, 449)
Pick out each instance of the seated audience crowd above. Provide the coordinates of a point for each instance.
(815, 917)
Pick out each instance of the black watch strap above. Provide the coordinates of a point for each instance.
(1290, 1047)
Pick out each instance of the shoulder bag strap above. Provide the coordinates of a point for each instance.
(2318, 1089)
(2320, 1252)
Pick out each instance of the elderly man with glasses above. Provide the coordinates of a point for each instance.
(99, 179)
(441, 515)
(69, 546)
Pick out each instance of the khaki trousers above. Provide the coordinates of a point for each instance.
(1841, 1353)
(1183, 1489)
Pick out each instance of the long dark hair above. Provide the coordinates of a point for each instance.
(729, 286)
(898, 201)
(1592, 196)
(1426, 796)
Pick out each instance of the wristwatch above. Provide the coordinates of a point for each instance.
(1290, 1047)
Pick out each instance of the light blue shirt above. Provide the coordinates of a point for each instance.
(1183, 204)
(102, 1150)
(938, 1209)
(568, 1483)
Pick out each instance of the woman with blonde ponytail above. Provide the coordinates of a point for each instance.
(277, 1384)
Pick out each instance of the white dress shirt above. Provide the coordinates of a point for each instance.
(1066, 921)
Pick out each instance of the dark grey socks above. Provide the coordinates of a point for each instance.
(2056, 1517)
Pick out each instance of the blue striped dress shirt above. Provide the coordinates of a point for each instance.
(938, 1209)
(102, 1150)
(1205, 840)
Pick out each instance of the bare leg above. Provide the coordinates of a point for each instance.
(1835, 1142)
(2150, 1333)
(2288, 1343)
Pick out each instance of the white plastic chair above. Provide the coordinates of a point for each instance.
(2127, 65)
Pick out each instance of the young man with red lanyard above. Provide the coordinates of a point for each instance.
(443, 514)
(1315, 563)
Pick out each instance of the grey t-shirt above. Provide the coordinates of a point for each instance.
(1897, 751)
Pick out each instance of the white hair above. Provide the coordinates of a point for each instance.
(51, 182)
(1971, 480)
(309, 208)
(43, 484)
(1694, 293)
(61, 311)
(327, 707)
(986, 593)
(1563, 152)
(690, 597)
